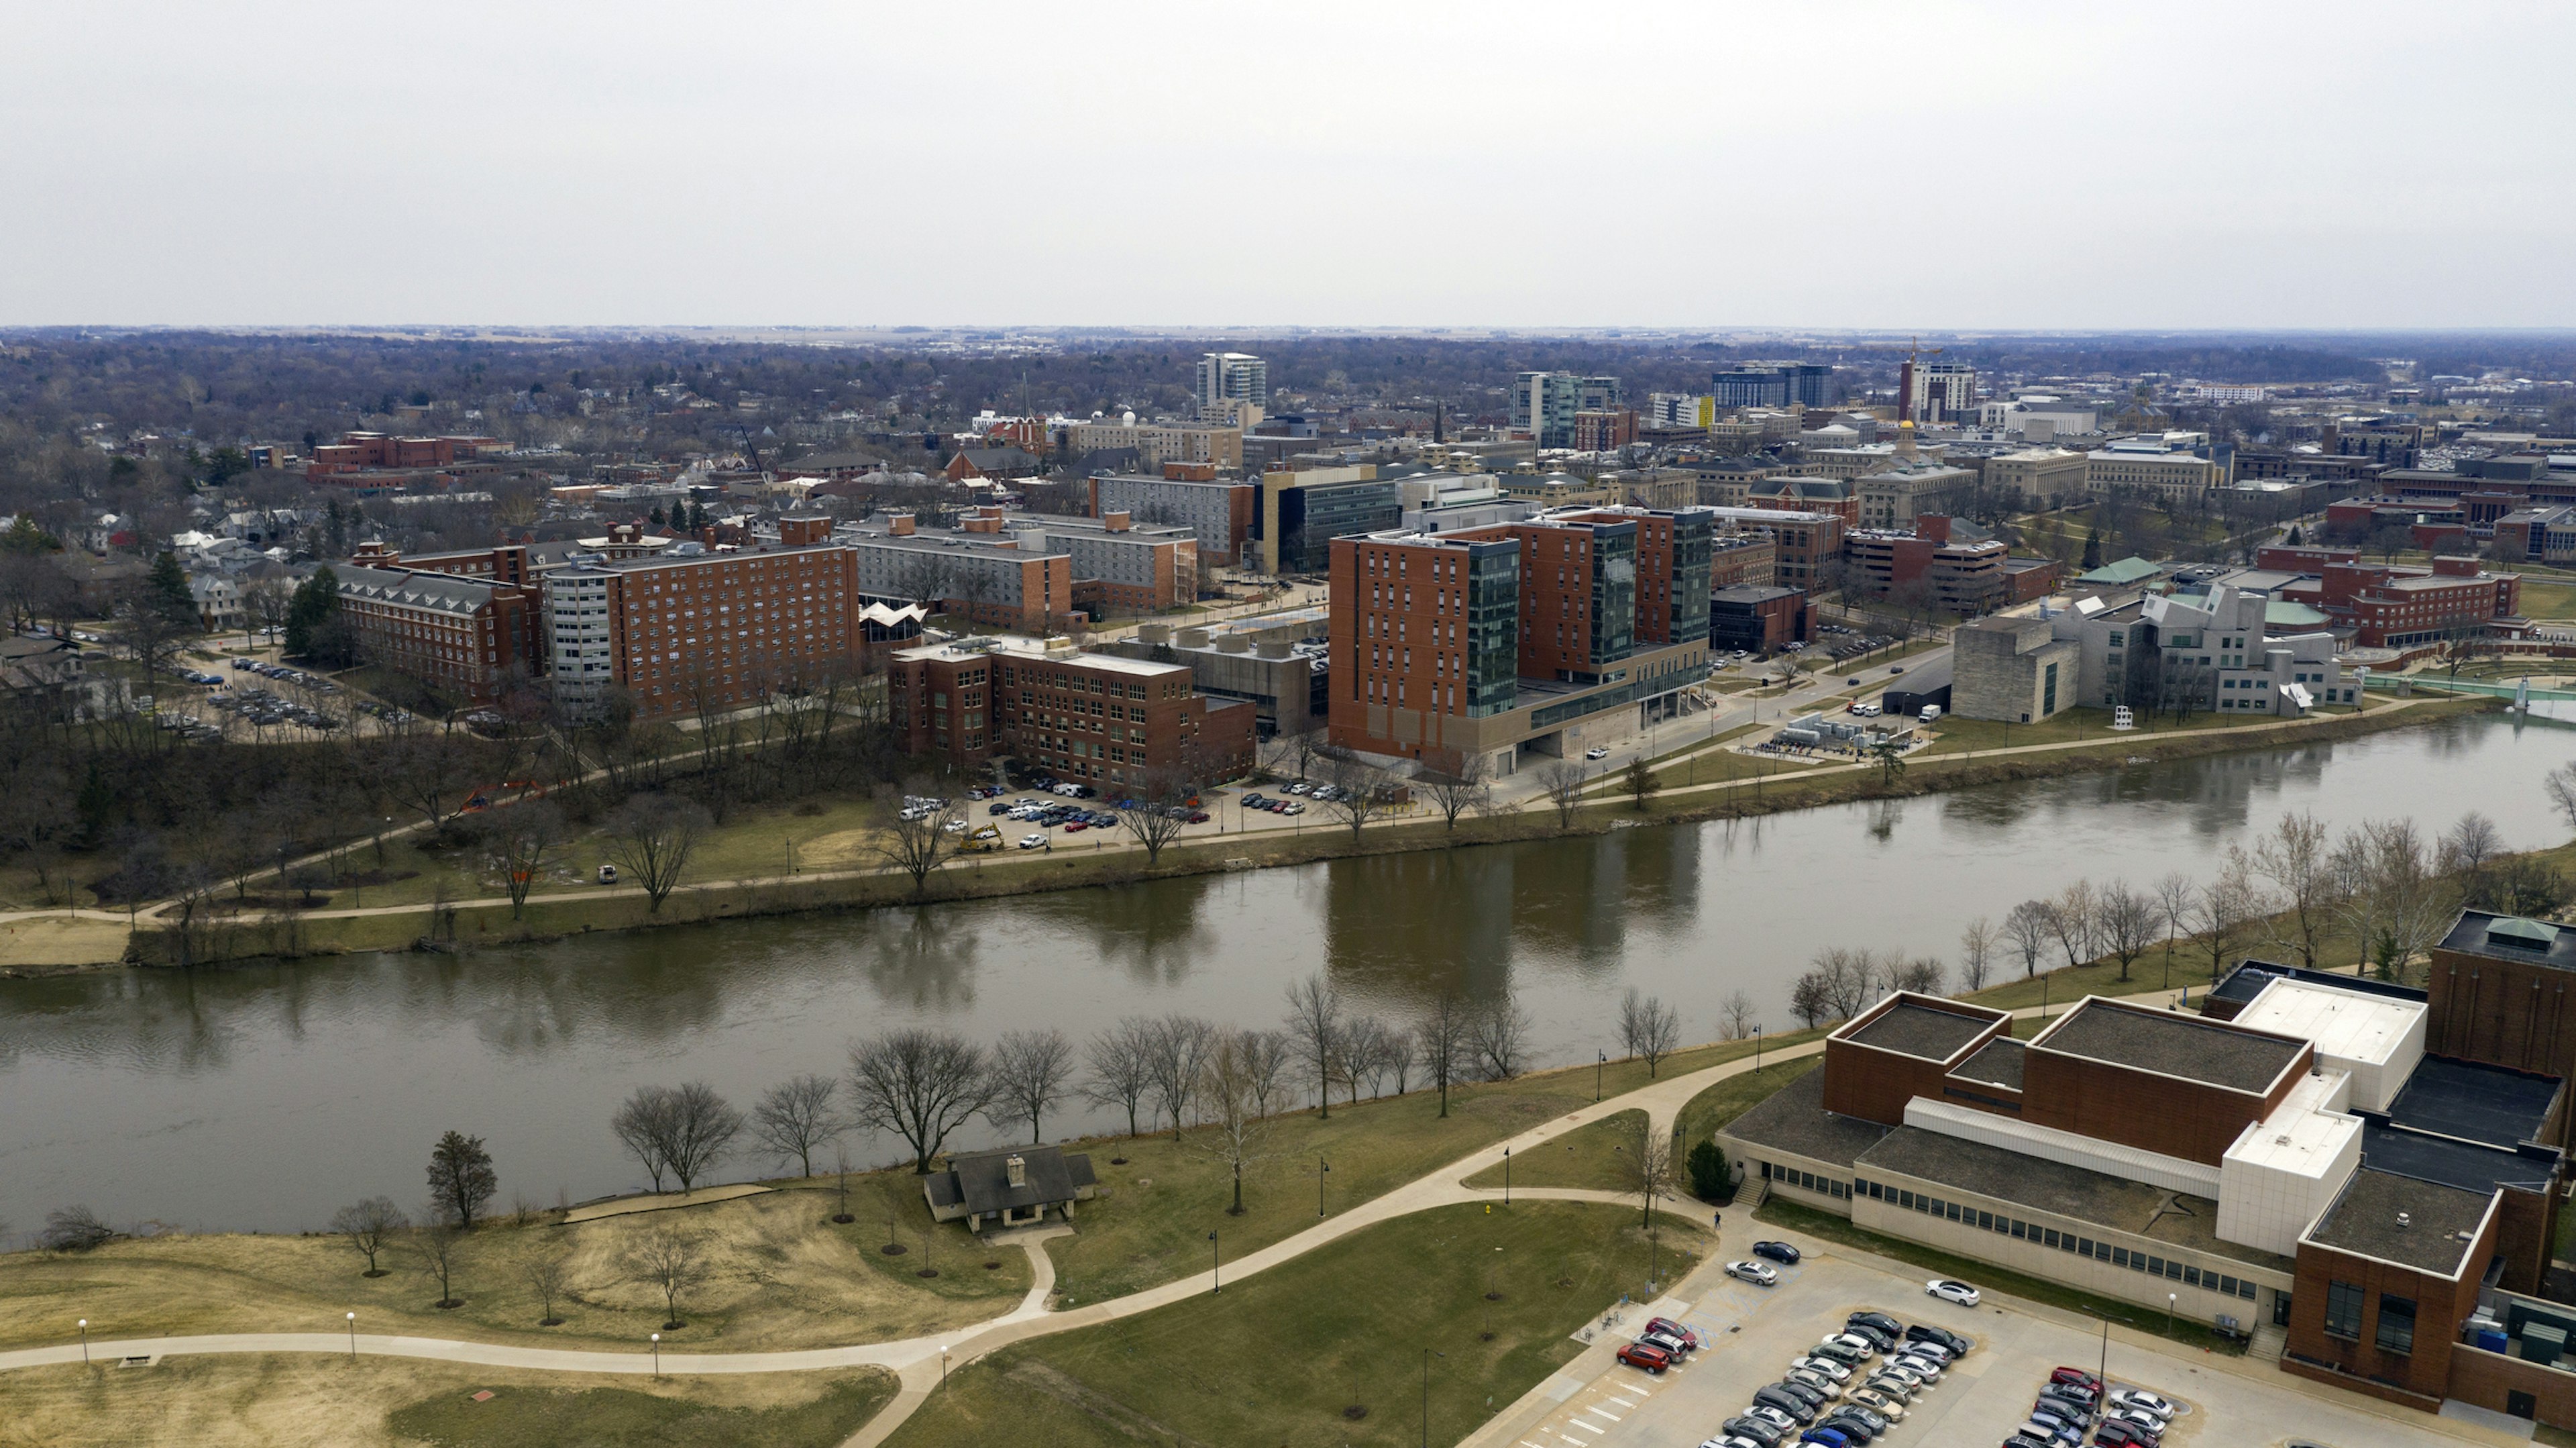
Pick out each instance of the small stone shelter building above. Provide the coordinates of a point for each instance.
(1012, 1187)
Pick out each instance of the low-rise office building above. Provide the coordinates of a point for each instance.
(2317, 1173)
(1807, 545)
(1759, 618)
(1966, 575)
(1101, 718)
(1273, 662)
(1218, 512)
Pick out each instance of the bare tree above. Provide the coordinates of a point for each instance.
(1032, 1072)
(696, 1128)
(2296, 859)
(795, 1118)
(2227, 905)
(2129, 923)
(1315, 1026)
(1977, 943)
(370, 1226)
(1736, 1015)
(2028, 928)
(438, 1253)
(1267, 1059)
(670, 1260)
(920, 1085)
(2175, 892)
(642, 1124)
(1396, 1053)
(1360, 793)
(74, 1229)
(522, 838)
(2071, 920)
(1456, 793)
(548, 1276)
(1646, 1170)
(651, 836)
(2560, 785)
(1229, 1095)
(2468, 845)
(2414, 901)
(1499, 1035)
(1157, 813)
(1810, 1000)
(1923, 975)
(1121, 1069)
(1648, 1029)
(1563, 781)
(1444, 1036)
(1176, 1054)
(916, 839)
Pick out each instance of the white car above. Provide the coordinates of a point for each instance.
(1922, 1367)
(1772, 1416)
(1950, 1291)
(1757, 1273)
(1596, 754)
(1855, 1342)
(1033, 842)
(2140, 1400)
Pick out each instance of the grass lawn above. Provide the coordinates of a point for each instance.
(2544, 599)
(2064, 986)
(1709, 766)
(1151, 1221)
(1591, 1155)
(1989, 1277)
(1352, 1319)
(781, 1276)
(1954, 735)
(1732, 1097)
(254, 1401)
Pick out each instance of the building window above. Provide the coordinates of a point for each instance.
(2343, 1311)
(2396, 1323)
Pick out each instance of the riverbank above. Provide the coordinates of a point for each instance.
(469, 923)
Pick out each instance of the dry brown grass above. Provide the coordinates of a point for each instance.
(782, 1277)
(265, 1400)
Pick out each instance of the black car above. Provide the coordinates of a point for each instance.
(1756, 1429)
(1887, 1325)
(1850, 1425)
(1793, 1404)
(1926, 1332)
(1814, 1398)
(1777, 1252)
(1871, 1333)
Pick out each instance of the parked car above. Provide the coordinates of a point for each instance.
(1033, 842)
(2077, 1377)
(1808, 1393)
(1827, 1391)
(1759, 1430)
(1856, 1342)
(2139, 1400)
(2122, 1433)
(608, 874)
(1879, 1401)
(1781, 1400)
(1671, 1328)
(1877, 1339)
(1778, 1418)
(1596, 754)
(1665, 1340)
(1824, 1367)
(1842, 1352)
(1951, 1291)
(1780, 1252)
(1753, 1272)
(1646, 1355)
(1926, 1332)
(2136, 1424)
(1829, 1437)
(2044, 1433)
(1879, 1320)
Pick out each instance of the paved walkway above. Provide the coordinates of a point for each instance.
(666, 1201)
(918, 1361)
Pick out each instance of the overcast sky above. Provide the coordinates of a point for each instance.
(2147, 165)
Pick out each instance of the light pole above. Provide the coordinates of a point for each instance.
(1507, 1176)
(2169, 1312)
(1427, 1356)
(943, 1365)
(1599, 1060)
(1757, 1048)
(353, 1337)
(84, 1327)
(1323, 1168)
(657, 1354)
(1216, 1268)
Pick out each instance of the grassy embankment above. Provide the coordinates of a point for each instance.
(259, 1401)
(756, 837)
(781, 1276)
(1497, 1294)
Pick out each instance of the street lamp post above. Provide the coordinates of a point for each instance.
(1323, 1169)
(353, 1337)
(1599, 1060)
(84, 1327)
(657, 1354)
(1427, 1356)
(2169, 1312)
(1757, 1048)
(1507, 1176)
(943, 1365)
(1216, 1279)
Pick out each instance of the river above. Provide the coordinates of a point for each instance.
(266, 1096)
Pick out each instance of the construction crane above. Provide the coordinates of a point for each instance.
(753, 449)
(1914, 351)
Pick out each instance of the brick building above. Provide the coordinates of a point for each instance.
(977, 574)
(468, 636)
(1119, 565)
(1758, 618)
(1967, 577)
(1218, 513)
(1742, 559)
(1111, 721)
(2399, 607)
(1807, 545)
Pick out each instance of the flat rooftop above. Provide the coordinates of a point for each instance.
(2133, 1207)
(2170, 1044)
(2475, 1102)
(2506, 937)
(2250, 977)
(1998, 1063)
(1795, 1121)
(2349, 1024)
(1035, 651)
(2365, 1219)
(1912, 1030)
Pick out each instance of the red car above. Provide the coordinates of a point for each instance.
(1670, 1328)
(1645, 1355)
(1075, 827)
(2078, 1378)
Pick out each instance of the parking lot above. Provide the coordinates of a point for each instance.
(1750, 1333)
